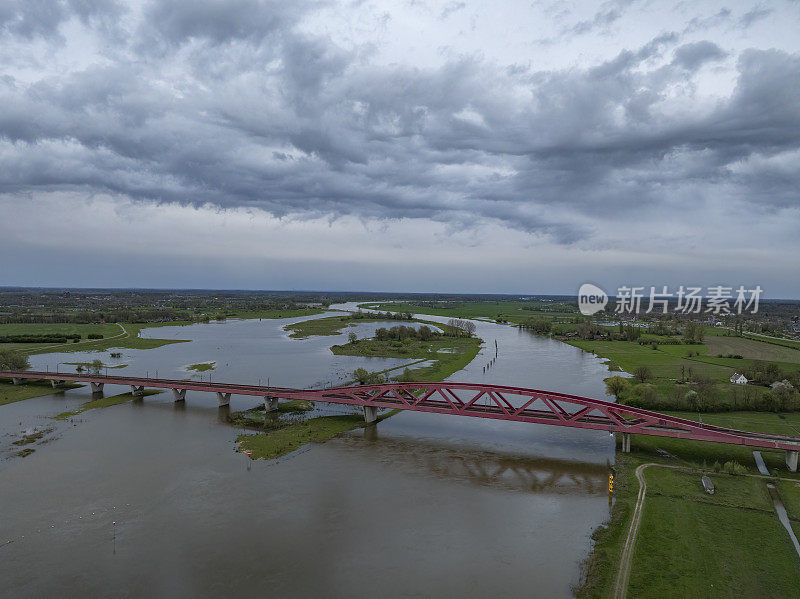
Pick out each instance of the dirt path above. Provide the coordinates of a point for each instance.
(621, 583)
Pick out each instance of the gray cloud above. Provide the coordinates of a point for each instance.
(754, 15)
(692, 56)
(233, 105)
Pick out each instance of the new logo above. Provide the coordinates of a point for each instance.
(591, 299)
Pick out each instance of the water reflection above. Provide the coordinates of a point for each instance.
(521, 473)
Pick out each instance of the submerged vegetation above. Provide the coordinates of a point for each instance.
(103, 402)
(287, 438)
(202, 366)
(10, 393)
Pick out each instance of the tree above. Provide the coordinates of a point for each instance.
(615, 385)
(352, 337)
(642, 374)
(425, 333)
(95, 366)
(364, 377)
(11, 359)
(469, 328)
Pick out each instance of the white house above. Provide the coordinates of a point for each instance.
(739, 379)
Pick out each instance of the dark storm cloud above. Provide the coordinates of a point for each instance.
(692, 56)
(177, 21)
(233, 105)
(31, 18)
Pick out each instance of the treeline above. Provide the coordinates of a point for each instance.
(43, 338)
(382, 315)
(706, 395)
(140, 316)
(401, 332)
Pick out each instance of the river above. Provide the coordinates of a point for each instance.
(149, 498)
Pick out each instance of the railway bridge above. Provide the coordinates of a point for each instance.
(500, 402)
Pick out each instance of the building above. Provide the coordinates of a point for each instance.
(739, 379)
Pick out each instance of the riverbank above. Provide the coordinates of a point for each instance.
(688, 541)
(104, 402)
(293, 436)
(9, 393)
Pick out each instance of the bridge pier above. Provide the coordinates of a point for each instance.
(791, 460)
(17, 381)
(137, 390)
(224, 399)
(57, 384)
(97, 387)
(179, 394)
(370, 414)
(270, 403)
(626, 442)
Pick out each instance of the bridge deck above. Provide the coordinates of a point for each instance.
(467, 399)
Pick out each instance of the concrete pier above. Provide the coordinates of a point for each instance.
(18, 381)
(791, 460)
(57, 384)
(137, 390)
(97, 387)
(224, 399)
(370, 414)
(270, 403)
(626, 442)
(179, 394)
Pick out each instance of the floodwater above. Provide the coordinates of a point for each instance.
(149, 498)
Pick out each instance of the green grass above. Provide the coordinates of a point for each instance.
(202, 366)
(512, 311)
(444, 364)
(751, 349)
(664, 362)
(729, 490)
(10, 393)
(89, 364)
(689, 548)
(103, 402)
(284, 440)
(332, 325)
(274, 314)
(127, 340)
(258, 417)
(600, 569)
(738, 496)
(774, 340)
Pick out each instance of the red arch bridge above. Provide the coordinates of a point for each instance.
(500, 402)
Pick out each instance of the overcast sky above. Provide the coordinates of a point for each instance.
(494, 147)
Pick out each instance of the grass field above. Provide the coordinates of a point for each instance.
(750, 349)
(445, 362)
(273, 314)
(128, 339)
(9, 393)
(512, 311)
(680, 511)
(665, 362)
(331, 325)
(692, 548)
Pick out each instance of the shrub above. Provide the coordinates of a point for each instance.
(734, 467)
(642, 374)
